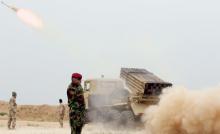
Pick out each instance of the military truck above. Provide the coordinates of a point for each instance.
(122, 100)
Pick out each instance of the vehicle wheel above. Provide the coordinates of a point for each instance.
(127, 118)
(112, 115)
(94, 116)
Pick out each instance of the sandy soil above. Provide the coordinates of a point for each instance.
(41, 119)
(31, 127)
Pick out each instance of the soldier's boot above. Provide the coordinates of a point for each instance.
(61, 124)
(9, 127)
(73, 130)
(79, 129)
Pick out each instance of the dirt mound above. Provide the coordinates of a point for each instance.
(33, 112)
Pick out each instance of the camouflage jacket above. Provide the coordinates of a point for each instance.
(61, 109)
(12, 105)
(76, 105)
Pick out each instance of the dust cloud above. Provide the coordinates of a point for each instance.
(182, 111)
(108, 103)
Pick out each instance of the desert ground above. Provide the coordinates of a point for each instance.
(34, 127)
(41, 119)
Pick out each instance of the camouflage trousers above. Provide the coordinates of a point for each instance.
(76, 130)
(61, 117)
(11, 119)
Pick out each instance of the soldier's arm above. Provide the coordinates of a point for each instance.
(58, 110)
(10, 104)
(63, 110)
(70, 94)
(14, 105)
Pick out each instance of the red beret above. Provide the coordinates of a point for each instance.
(77, 76)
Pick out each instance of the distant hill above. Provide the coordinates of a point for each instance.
(33, 112)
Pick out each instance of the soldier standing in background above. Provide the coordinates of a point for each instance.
(76, 104)
(61, 112)
(12, 111)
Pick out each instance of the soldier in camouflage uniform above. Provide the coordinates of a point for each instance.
(76, 104)
(61, 110)
(12, 111)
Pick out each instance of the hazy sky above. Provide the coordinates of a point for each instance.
(177, 40)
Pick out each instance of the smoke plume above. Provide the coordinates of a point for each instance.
(182, 111)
